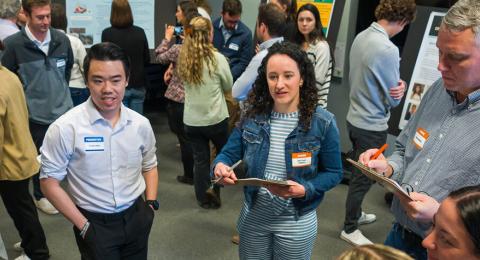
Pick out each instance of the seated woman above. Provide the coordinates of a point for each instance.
(456, 227)
(285, 135)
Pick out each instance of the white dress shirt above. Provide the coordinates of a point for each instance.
(103, 165)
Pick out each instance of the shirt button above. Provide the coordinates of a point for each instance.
(416, 183)
(428, 160)
(440, 136)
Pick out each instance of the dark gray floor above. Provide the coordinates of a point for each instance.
(182, 230)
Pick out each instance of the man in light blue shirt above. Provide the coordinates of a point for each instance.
(107, 153)
(270, 26)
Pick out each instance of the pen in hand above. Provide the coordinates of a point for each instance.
(230, 169)
(380, 151)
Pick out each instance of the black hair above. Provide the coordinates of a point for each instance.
(261, 102)
(232, 7)
(468, 205)
(271, 15)
(106, 51)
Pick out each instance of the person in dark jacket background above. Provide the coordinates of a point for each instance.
(136, 47)
(232, 38)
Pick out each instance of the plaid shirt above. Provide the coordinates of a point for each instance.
(166, 54)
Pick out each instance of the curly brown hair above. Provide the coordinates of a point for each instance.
(261, 102)
(396, 10)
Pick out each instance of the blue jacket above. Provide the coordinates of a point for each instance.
(238, 49)
(251, 142)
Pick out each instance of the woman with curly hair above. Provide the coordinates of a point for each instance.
(285, 136)
(311, 38)
(206, 77)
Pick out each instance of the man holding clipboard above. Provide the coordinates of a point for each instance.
(437, 152)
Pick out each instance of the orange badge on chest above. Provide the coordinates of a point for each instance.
(421, 137)
(302, 159)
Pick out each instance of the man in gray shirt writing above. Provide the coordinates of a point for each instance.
(438, 152)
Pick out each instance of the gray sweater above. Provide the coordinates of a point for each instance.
(374, 69)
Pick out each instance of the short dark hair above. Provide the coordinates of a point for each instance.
(316, 33)
(468, 205)
(396, 10)
(271, 15)
(260, 100)
(27, 5)
(59, 18)
(106, 51)
(121, 14)
(232, 7)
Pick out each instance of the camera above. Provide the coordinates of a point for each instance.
(178, 30)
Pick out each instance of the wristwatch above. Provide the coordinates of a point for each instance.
(153, 203)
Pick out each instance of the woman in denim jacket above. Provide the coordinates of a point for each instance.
(284, 136)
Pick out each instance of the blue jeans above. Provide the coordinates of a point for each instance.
(407, 242)
(134, 98)
(79, 95)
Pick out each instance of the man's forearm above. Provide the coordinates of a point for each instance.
(62, 202)
(151, 182)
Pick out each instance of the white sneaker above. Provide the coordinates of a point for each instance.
(355, 238)
(44, 205)
(366, 218)
(18, 247)
(23, 257)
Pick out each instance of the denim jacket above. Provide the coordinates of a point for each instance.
(251, 143)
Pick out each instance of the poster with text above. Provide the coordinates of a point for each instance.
(425, 72)
(88, 18)
(325, 8)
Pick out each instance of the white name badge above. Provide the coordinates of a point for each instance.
(233, 46)
(301, 159)
(421, 137)
(94, 143)
(61, 63)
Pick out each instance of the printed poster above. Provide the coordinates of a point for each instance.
(425, 72)
(88, 18)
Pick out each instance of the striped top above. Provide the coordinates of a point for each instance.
(281, 125)
(319, 55)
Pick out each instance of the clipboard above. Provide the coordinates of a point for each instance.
(387, 183)
(260, 182)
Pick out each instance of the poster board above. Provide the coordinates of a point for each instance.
(88, 18)
(425, 72)
(410, 55)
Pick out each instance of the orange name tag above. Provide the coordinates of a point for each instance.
(421, 137)
(301, 159)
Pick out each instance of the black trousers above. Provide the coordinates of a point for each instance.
(38, 132)
(362, 140)
(122, 235)
(199, 137)
(175, 122)
(20, 207)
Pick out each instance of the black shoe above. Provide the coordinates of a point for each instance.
(204, 205)
(214, 198)
(184, 179)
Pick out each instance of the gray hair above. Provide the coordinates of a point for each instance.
(465, 14)
(9, 8)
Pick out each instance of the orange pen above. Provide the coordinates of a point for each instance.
(380, 151)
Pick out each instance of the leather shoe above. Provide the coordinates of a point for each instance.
(185, 179)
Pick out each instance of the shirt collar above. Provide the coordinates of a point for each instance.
(8, 23)
(268, 43)
(222, 26)
(37, 42)
(94, 115)
(376, 26)
(472, 99)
